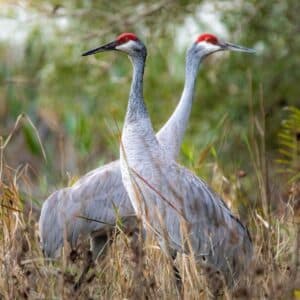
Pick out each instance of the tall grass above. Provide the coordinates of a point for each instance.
(137, 269)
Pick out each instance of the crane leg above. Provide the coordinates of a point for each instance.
(99, 245)
(172, 254)
(87, 265)
(177, 276)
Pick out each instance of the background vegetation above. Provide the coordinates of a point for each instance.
(243, 136)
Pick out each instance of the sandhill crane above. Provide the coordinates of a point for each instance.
(97, 194)
(183, 212)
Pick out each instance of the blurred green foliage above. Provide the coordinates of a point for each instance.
(76, 103)
(289, 141)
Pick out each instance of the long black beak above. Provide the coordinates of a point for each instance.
(108, 47)
(234, 47)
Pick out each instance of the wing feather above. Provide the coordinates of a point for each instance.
(213, 231)
(94, 196)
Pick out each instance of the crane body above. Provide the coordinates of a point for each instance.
(100, 195)
(172, 202)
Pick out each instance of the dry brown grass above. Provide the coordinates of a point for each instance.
(137, 272)
(133, 269)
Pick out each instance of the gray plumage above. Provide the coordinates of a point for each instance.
(172, 202)
(93, 197)
(99, 193)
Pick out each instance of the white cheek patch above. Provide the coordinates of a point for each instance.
(126, 47)
(209, 47)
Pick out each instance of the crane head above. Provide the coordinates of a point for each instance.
(207, 44)
(126, 42)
